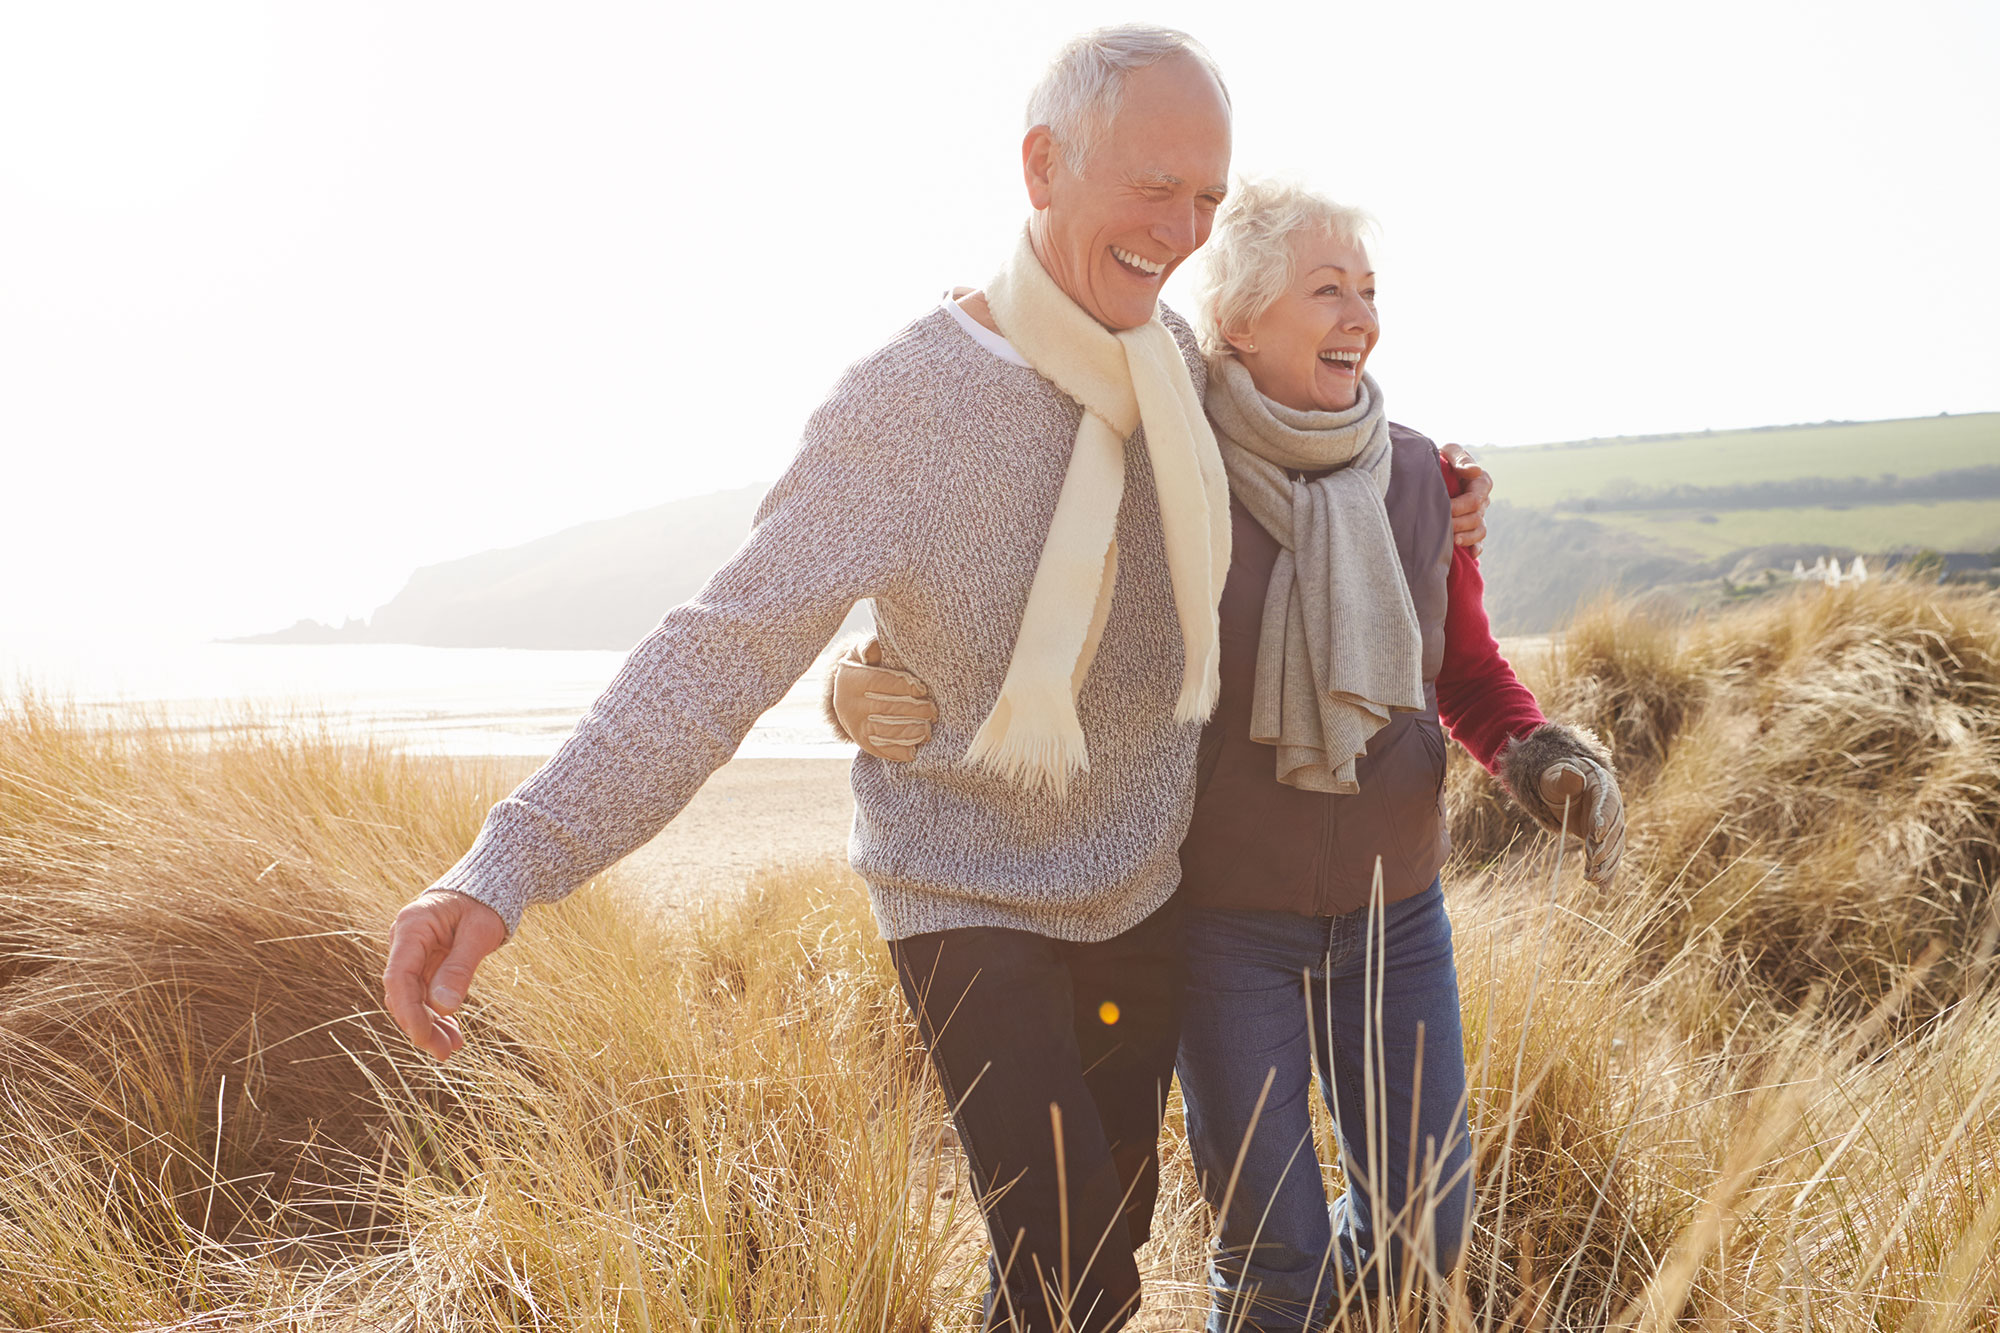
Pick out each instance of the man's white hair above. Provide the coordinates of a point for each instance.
(1250, 260)
(1078, 97)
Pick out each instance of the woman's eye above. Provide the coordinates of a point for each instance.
(1329, 291)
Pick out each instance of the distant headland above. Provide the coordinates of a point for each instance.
(1697, 519)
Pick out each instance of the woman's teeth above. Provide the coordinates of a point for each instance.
(1146, 266)
(1347, 361)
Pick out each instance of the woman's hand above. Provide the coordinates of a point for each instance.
(1468, 507)
(1563, 778)
(886, 712)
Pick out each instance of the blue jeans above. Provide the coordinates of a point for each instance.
(1274, 994)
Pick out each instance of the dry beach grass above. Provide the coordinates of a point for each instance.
(1752, 1087)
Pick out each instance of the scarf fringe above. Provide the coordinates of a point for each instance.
(1031, 741)
(1201, 688)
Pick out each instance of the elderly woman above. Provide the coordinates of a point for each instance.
(1353, 632)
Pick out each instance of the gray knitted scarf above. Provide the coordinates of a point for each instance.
(1340, 649)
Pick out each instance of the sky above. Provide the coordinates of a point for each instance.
(296, 298)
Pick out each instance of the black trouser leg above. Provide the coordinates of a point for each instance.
(1017, 1024)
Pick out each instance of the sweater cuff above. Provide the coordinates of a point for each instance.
(488, 874)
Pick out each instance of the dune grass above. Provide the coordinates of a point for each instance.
(1752, 1086)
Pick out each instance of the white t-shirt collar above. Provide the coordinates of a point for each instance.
(984, 336)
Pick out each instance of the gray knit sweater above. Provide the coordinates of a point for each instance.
(926, 481)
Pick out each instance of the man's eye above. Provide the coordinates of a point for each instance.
(1368, 295)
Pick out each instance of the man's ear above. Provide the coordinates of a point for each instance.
(1038, 165)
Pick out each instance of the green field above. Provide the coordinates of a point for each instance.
(1539, 475)
(1942, 525)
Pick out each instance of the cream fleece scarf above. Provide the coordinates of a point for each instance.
(1123, 380)
(1340, 649)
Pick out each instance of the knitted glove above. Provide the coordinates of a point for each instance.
(1554, 768)
(882, 710)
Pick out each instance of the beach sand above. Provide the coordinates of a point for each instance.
(751, 814)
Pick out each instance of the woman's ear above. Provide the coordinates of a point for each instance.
(1240, 339)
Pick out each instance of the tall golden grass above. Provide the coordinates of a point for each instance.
(1752, 1086)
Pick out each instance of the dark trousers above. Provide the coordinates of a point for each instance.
(1027, 1033)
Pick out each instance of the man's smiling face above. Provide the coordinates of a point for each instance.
(1144, 201)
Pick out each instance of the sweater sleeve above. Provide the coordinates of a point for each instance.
(827, 535)
(1480, 699)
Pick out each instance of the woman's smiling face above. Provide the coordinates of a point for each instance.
(1308, 349)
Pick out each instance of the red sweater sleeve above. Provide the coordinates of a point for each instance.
(1480, 699)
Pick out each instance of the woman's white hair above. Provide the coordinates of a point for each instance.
(1078, 97)
(1250, 261)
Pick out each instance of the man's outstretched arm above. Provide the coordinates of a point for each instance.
(828, 534)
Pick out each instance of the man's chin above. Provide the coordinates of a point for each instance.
(1129, 315)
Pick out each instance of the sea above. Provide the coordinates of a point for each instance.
(437, 701)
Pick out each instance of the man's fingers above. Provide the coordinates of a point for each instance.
(477, 930)
(1468, 507)
(404, 977)
(435, 946)
(1468, 520)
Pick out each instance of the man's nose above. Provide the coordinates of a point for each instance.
(1177, 231)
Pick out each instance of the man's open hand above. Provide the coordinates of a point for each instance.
(436, 944)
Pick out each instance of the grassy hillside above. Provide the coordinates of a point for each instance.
(1753, 1086)
(1536, 476)
(1944, 525)
(1690, 518)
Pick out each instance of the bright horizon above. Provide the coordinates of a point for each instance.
(297, 300)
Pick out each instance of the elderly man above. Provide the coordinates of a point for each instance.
(1024, 483)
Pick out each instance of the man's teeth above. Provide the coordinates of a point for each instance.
(1144, 265)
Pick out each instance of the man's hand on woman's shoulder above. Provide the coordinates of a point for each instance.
(1471, 498)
